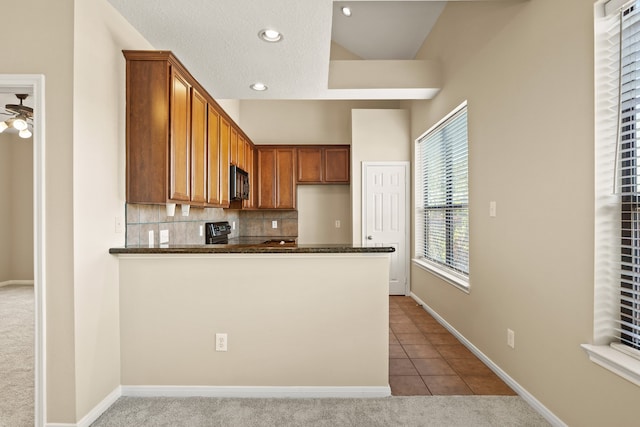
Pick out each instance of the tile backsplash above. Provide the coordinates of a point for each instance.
(185, 230)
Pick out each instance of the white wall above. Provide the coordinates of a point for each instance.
(526, 69)
(99, 193)
(378, 135)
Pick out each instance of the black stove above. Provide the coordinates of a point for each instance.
(217, 232)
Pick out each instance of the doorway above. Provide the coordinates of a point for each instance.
(385, 216)
(34, 85)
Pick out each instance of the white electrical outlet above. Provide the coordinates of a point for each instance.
(151, 240)
(164, 236)
(274, 224)
(201, 230)
(337, 223)
(221, 342)
(511, 338)
(233, 225)
(492, 209)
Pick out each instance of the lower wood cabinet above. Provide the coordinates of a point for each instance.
(276, 179)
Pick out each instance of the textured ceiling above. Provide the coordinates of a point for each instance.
(218, 41)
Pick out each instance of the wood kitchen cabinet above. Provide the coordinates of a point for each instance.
(276, 179)
(323, 164)
(179, 141)
(225, 146)
(199, 137)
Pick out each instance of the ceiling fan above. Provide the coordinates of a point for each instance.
(22, 116)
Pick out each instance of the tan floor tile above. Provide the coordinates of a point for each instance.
(446, 385)
(399, 318)
(491, 385)
(436, 366)
(407, 385)
(393, 339)
(442, 339)
(412, 339)
(454, 351)
(469, 367)
(421, 351)
(401, 367)
(396, 352)
(404, 328)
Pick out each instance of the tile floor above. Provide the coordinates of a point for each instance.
(424, 358)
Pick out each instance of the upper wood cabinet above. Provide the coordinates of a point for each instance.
(179, 141)
(199, 137)
(276, 179)
(323, 164)
(225, 145)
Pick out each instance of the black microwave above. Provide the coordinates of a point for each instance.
(238, 184)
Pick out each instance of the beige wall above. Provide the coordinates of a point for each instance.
(526, 69)
(378, 135)
(49, 51)
(99, 193)
(5, 211)
(319, 206)
(323, 323)
(16, 215)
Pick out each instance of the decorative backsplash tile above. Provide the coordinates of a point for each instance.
(185, 230)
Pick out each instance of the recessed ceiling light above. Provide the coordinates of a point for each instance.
(346, 11)
(259, 86)
(271, 36)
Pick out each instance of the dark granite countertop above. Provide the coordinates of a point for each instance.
(253, 245)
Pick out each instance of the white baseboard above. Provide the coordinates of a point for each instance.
(16, 282)
(526, 396)
(255, 392)
(95, 413)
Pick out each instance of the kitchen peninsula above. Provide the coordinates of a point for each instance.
(302, 321)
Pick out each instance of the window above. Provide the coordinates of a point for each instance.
(442, 217)
(617, 183)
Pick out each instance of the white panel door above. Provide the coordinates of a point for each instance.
(385, 221)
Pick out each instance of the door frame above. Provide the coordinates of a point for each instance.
(363, 219)
(35, 82)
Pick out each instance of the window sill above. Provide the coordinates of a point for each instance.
(458, 282)
(621, 364)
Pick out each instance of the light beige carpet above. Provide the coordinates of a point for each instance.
(440, 411)
(16, 356)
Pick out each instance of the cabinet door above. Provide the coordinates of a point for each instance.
(198, 148)
(179, 151)
(309, 165)
(213, 157)
(266, 178)
(285, 187)
(225, 144)
(233, 150)
(241, 159)
(248, 162)
(336, 165)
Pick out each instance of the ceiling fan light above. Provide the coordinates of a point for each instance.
(3, 126)
(25, 133)
(20, 123)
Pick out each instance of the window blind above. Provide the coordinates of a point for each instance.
(629, 154)
(442, 220)
(617, 230)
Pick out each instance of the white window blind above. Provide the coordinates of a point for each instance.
(617, 232)
(442, 217)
